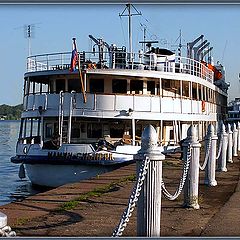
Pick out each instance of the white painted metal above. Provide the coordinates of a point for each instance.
(210, 179)
(191, 185)
(222, 160)
(235, 140)
(149, 205)
(230, 144)
(238, 128)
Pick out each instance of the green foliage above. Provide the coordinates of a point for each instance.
(97, 192)
(10, 112)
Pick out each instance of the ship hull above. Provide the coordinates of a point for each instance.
(49, 175)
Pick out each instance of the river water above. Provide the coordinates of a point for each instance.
(11, 188)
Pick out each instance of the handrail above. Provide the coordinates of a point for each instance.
(118, 60)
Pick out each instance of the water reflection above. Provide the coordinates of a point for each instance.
(11, 188)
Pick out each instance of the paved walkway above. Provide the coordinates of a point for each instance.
(79, 210)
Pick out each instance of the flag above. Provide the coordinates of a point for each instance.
(74, 58)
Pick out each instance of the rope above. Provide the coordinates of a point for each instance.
(182, 181)
(133, 199)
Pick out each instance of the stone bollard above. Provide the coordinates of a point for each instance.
(222, 160)
(238, 128)
(3, 220)
(211, 162)
(149, 203)
(191, 184)
(5, 231)
(235, 140)
(230, 144)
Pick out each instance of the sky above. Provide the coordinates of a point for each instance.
(56, 24)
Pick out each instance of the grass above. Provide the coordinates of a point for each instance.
(21, 221)
(97, 192)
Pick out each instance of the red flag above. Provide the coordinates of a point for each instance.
(74, 58)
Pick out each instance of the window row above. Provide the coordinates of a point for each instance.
(162, 87)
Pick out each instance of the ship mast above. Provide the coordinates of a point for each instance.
(129, 15)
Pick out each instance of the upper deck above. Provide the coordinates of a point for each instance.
(146, 63)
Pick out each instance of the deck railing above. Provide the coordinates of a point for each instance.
(116, 102)
(119, 60)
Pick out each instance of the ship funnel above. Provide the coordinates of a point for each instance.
(196, 49)
(191, 44)
(206, 52)
(199, 52)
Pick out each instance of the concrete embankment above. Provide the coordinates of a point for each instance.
(94, 207)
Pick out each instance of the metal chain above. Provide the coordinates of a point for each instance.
(183, 178)
(220, 147)
(133, 199)
(209, 144)
(7, 232)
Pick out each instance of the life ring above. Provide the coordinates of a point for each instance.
(203, 106)
(92, 66)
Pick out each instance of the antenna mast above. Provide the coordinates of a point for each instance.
(129, 15)
(28, 32)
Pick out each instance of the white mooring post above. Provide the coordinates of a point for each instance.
(191, 184)
(211, 162)
(223, 144)
(230, 144)
(238, 128)
(235, 140)
(149, 203)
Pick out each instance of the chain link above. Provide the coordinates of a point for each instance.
(7, 232)
(133, 198)
(220, 146)
(183, 178)
(208, 144)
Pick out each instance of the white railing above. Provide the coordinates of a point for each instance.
(119, 60)
(115, 102)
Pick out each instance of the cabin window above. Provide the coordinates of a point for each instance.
(185, 90)
(175, 86)
(158, 88)
(94, 130)
(119, 86)
(30, 129)
(139, 130)
(166, 84)
(171, 134)
(151, 87)
(75, 133)
(60, 85)
(96, 85)
(25, 87)
(204, 93)
(200, 92)
(214, 97)
(116, 130)
(31, 87)
(49, 130)
(136, 86)
(74, 85)
(194, 91)
(170, 87)
(38, 87)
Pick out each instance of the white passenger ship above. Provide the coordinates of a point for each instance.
(234, 111)
(73, 130)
